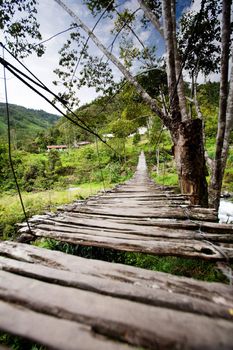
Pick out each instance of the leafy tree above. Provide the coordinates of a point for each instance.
(136, 138)
(20, 27)
(202, 53)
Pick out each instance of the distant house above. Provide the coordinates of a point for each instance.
(57, 147)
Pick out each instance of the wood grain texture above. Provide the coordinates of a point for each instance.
(54, 296)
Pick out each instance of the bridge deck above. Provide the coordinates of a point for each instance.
(141, 217)
(67, 302)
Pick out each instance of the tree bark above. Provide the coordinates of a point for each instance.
(209, 161)
(190, 161)
(178, 68)
(229, 121)
(217, 175)
(151, 16)
(170, 50)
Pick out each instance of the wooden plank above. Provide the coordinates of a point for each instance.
(34, 255)
(175, 213)
(115, 229)
(206, 227)
(186, 248)
(138, 323)
(131, 233)
(118, 287)
(53, 332)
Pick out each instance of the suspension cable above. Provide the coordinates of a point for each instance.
(9, 150)
(40, 84)
(17, 73)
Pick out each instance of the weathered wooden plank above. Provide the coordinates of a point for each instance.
(178, 247)
(56, 333)
(57, 260)
(136, 323)
(132, 224)
(118, 287)
(135, 204)
(130, 232)
(111, 228)
(206, 227)
(175, 213)
(144, 196)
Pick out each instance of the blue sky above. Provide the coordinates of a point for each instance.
(53, 19)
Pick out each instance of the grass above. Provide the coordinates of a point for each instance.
(18, 343)
(187, 267)
(167, 179)
(38, 202)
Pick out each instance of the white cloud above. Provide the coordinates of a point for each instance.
(131, 5)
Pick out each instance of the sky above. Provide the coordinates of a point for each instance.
(53, 19)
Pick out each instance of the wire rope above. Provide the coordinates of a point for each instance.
(9, 150)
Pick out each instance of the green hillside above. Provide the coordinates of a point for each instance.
(25, 122)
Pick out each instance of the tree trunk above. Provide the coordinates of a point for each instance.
(178, 68)
(152, 17)
(217, 175)
(190, 161)
(229, 120)
(170, 50)
(209, 161)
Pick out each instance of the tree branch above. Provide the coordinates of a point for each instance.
(150, 15)
(146, 97)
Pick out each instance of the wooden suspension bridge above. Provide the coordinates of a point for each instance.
(68, 302)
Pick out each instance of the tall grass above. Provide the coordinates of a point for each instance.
(37, 203)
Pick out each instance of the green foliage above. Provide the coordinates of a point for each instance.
(208, 97)
(202, 33)
(55, 170)
(36, 203)
(20, 28)
(194, 268)
(18, 343)
(98, 253)
(136, 138)
(97, 6)
(168, 179)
